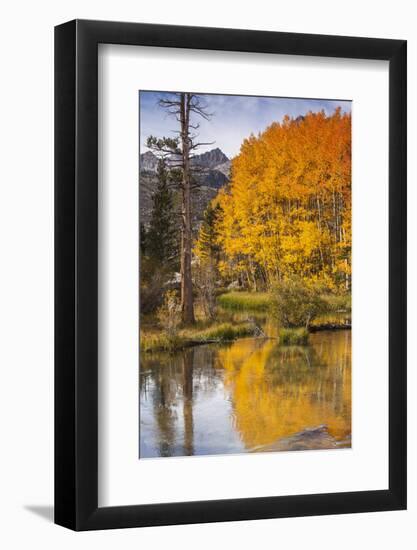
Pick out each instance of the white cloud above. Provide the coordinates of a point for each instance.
(234, 117)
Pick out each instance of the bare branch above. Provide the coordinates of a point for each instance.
(199, 144)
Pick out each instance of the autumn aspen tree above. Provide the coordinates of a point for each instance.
(287, 209)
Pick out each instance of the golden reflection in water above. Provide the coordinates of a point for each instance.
(244, 396)
(278, 391)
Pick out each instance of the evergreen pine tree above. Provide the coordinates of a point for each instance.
(162, 235)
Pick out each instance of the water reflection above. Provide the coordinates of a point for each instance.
(246, 396)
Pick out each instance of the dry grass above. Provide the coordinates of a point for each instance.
(245, 301)
(223, 332)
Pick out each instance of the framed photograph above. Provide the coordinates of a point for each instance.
(230, 252)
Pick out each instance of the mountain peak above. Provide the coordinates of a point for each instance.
(148, 162)
(211, 159)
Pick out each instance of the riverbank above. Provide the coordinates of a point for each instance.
(240, 315)
(187, 337)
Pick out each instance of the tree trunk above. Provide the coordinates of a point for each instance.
(187, 306)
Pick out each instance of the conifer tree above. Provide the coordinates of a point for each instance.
(161, 238)
(180, 152)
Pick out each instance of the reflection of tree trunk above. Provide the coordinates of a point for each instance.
(188, 362)
(163, 415)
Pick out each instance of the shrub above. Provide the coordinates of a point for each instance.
(205, 283)
(293, 336)
(169, 314)
(296, 304)
(151, 294)
(153, 280)
(339, 302)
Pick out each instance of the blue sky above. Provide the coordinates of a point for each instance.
(234, 117)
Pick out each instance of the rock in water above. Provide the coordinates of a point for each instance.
(306, 440)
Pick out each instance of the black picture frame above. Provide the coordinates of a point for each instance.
(76, 272)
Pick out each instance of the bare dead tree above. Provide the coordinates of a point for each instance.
(178, 153)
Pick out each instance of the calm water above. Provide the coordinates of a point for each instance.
(250, 395)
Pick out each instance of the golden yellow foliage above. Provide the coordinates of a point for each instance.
(278, 391)
(287, 210)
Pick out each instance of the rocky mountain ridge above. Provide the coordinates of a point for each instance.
(213, 172)
(214, 159)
